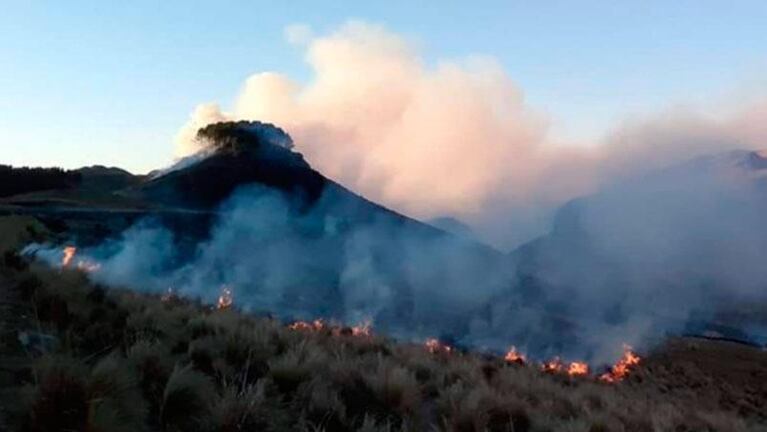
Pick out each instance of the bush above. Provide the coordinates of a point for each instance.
(187, 400)
(60, 400)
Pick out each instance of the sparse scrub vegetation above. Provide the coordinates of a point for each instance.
(129, 361)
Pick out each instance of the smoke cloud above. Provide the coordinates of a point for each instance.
(679, 250)
(455, 138)
(678, 135)
(410, 281)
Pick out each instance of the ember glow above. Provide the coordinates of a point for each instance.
(226, 298)
(554, 365)
(514, 356)
(622, 367)
(434, 346)
(315, 325)
(363, 329)
(169, 295)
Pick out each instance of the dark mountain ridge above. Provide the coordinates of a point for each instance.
(247, 153)
(237, 154)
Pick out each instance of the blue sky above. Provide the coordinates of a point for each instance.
(97, 82)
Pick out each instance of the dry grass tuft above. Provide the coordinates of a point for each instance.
(187, 401)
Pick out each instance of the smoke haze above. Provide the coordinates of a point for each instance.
(456, 138)
(277, 259)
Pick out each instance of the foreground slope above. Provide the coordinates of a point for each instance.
(106, 360)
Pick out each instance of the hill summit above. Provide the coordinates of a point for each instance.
(234, 154)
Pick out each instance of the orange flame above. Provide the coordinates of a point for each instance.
(315, 325)
(578, 369)
(622, 367)
(363, 329)
(616, 373)
(226, 298)
(69, 254)
(554, 365)
(514, 356)
(434, 346)
(83, 264)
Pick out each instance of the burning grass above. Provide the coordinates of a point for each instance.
(129, 361)
(226, 299)
(622, 367)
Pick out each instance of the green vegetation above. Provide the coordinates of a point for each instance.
(96, 359)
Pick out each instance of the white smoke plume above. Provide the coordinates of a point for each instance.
(456, 138)
(681, 134)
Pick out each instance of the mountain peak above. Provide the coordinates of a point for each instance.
(749, 160)
(755, 160)
(244, 136)
(235, 154)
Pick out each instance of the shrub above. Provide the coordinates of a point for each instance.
(295, 366)
(59, 401)
(152, 366)
(187, 400)
(250, 409)
(395, 386)
(116, 396)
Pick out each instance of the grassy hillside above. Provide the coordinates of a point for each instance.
(77, 356)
